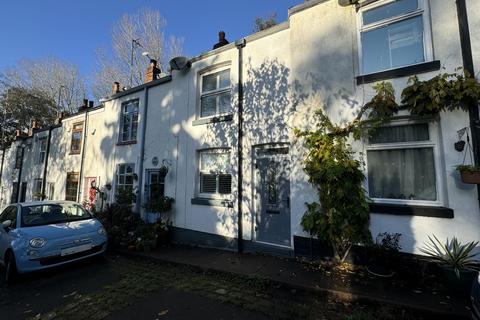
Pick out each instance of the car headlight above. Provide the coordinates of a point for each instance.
(101, 231)
(37, 242)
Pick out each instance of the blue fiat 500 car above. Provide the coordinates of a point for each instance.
(39, 235)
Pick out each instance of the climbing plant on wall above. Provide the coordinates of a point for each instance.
(341, 216)
(444, 92)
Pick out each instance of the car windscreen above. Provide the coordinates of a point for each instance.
(44, 214)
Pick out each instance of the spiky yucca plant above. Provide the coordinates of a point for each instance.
(452, 254)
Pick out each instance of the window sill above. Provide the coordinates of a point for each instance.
(399, 72)
(409, 210)
(212, 202)
(202, 121)
(126, 143)
(74, 153)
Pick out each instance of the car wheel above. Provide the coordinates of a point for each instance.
(10, 268)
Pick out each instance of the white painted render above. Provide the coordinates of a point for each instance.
(308, 61)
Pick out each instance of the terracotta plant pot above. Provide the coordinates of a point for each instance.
(470, 177)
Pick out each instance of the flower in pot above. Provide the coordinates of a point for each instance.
(469, 173)
(457, 260)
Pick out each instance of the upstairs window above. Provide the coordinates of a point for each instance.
(18, 158)
(42, 150)
(214, 175)
(393, 34)
(76, 143)
(401, 163)
(215, 98)
(129, 121)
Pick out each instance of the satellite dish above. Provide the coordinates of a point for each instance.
(180, 63)
(346, 3)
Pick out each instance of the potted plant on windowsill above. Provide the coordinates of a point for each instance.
(469, 173)
(456, 260)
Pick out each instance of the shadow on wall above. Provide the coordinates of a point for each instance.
(267, 109)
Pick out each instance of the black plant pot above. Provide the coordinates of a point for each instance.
(380, 270)
(460, 286)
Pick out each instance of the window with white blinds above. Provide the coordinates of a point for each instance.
(214, 173)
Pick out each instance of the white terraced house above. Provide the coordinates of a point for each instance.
(226, 120)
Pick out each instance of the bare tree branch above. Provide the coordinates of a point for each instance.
(147, 27)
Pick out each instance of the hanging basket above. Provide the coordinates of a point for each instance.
(470, 176)
(163, 171)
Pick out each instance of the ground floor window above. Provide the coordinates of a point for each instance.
(214, 172)
(125, 177)
(50, 191)
(15, 190)
(72, 186)
(401, 163)
(37, 189)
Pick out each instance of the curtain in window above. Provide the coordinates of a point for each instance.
(402, 174)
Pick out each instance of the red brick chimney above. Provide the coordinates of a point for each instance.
(60, 116)
(153, 72)
(116, 87)
(33, 127)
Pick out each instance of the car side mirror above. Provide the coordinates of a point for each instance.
(7, 224)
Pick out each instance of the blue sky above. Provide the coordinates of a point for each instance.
(72, 30)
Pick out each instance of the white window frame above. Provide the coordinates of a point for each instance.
(433, 142)
(215, 195)
(117, 174)
(42, 153)
(131, 115)
(216, 92)
(423, 10)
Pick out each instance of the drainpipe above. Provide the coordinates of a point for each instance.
(142, 150)
(84, 144)
(240, 44)
(45, 165)
(19, 187)
(1, 172)
(467, 58)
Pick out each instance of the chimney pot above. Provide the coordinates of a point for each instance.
(33, 126)
(116, 87)
(90, 104)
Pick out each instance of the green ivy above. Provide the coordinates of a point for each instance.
(444, 92)
(342, 216)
